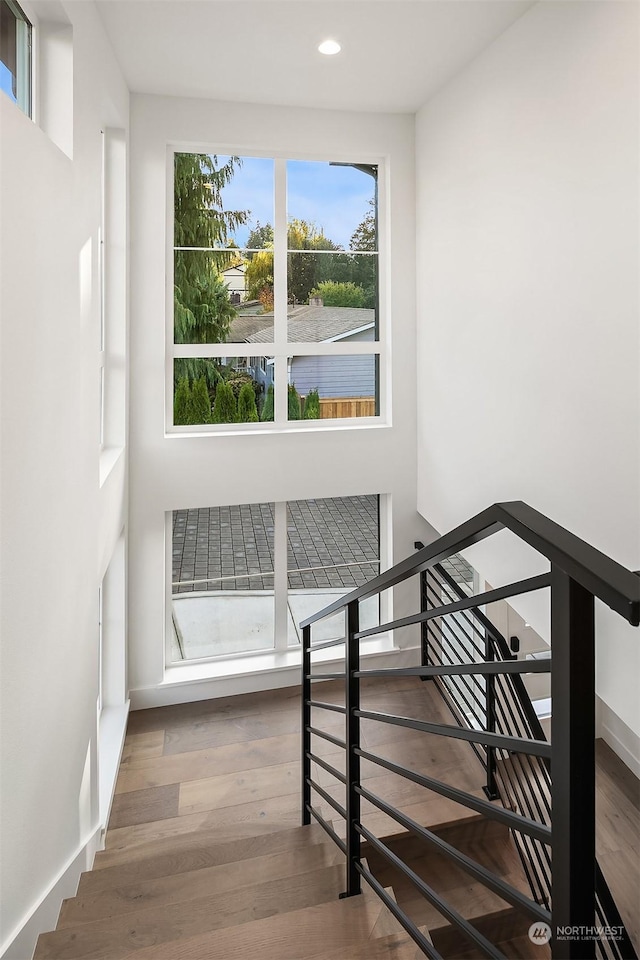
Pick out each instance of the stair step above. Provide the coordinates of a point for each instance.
(175, 887)
(496, 927)
(234, 822)
(205, 849)
(339, 930)
(153, 927)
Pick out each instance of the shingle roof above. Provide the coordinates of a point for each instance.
(315, 324)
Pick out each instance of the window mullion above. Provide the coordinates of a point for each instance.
(280, 289)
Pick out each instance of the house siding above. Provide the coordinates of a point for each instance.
(352, 376)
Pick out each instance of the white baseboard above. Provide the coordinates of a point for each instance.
(621, 738)
(43, 916)
(186, 684)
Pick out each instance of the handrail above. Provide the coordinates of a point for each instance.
(606, 579)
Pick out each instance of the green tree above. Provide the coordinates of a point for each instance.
(339, 294)
(364, 269)
(200, 402)
(247, 410)
(259, 274)
(260, 238)
(224, 407)
(294, 411)
(304, 267)
(182, 402)
(267, 406)
(312, 406)
(202, 309)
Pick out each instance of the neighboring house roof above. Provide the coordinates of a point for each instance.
(238, 267)
(244, 326)
(316, 324)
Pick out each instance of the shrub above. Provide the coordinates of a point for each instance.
(294, 408)
(224, 407)
(339, 294)
(247, 410)
(182, 402)
(200, 403)
(267, 406)
(312, 406)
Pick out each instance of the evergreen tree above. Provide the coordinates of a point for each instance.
(294, 411)
(182, 402)
(267, 407)
(247, 410)
(200, 402)
(364, 269)
(202, 309)
(312, 406)
(224, 407)
(260, 238)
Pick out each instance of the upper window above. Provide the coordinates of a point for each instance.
(280, 256)
(15, 54)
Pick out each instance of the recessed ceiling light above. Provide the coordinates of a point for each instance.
(329, 48)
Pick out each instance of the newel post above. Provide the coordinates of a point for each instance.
(306, 721)
(572, 768)
(352, 704)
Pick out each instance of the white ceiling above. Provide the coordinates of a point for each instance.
(395, 53)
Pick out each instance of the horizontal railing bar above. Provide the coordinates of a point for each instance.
(618, 587)
(425, 945)
(327, 736)
(327, 797)
(511, 744)
(462, 669)
(324, 676)
(486, 877)
(325, 826)
(327, 766)
(513, 820)
(327, 706)
(429, 894)
(326, 643)
(491, 596)
(482, 618)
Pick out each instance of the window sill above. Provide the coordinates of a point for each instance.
(270, 429)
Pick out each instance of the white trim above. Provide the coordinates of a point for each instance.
(351, 333)
(44, 912)
(622, 739)
(266, 671)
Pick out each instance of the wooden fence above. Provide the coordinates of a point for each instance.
(337, 407)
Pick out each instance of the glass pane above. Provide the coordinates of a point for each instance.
(331, 205)
(222, 297)
(333, 546)
(324, 388)
(332, 296)
(222, 390)
(222, 581)
(15, 55)
(223, 201)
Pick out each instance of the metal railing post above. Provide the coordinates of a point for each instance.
(491, 789)
(424, 629)
(306, 722)
(572, 769)
(352, 703)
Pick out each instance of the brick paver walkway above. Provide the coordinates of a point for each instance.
(232, 541)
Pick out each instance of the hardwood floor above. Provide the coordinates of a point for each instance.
(205, 857)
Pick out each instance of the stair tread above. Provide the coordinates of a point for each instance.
(328, 930)
(173, 887)
(200, 849)
(120, 936)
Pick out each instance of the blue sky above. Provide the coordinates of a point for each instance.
(334, 198)
(5, 80)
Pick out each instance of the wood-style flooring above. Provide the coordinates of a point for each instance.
(204, 845)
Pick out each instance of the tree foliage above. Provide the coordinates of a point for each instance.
(312, 406)
(339, 294)
(224, 407)
(267, 407)
(294, 409)
(247, 410)
(191, 404)
(260, 238)
(202, 309)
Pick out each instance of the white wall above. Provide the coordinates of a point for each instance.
(179, 471)
(527, 182)
(58, 526)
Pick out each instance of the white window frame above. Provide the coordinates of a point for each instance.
(281, 350)
(31, 21)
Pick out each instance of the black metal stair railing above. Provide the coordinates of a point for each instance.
(522, 783)
(552, 819)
